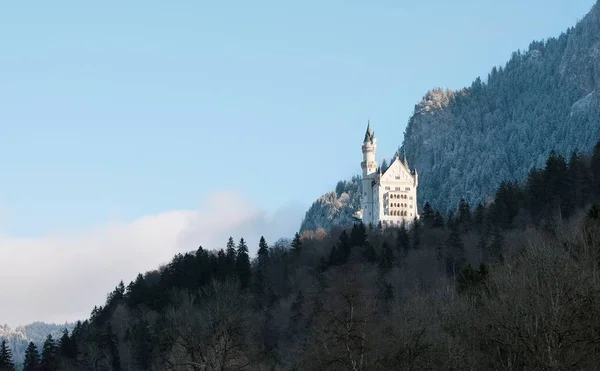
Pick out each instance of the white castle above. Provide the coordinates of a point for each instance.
(389, 197)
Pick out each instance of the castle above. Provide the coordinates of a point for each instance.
(389, 198)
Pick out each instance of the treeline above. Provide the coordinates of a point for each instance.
(510, 285)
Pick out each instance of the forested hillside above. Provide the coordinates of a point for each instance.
(510, 286)
(464, 143)
(18, 338)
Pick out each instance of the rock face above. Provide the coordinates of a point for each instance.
(464, 143)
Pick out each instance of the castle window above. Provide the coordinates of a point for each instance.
(410, 198)
(387, 188)
(398, 177)
(407, 188)
(398, 188)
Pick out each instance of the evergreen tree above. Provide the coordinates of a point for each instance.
(438, 220)
(368, 252)
(263, 252)
(32, 358)
(478, 217)
(580, 183)
(402, 240)
(358, 235)
(230, 256)
(66, 345)
(482, 247)
(6, 361)
(455, 258)
(464, 215)
(428, 215)
(497, 244)
(49, 361)
(386, 261)
(242, 264)
(262, 261)
(416, 233)
(296, 243)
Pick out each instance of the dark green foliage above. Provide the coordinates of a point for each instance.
(479, 217)
(340, 251)
(386, 260)
(67, 347)
(6, 361)
(262, 263)
(495, 248)
(49, 359)
(242, 264)
(296, 243)
(230, 255)
(469, 279)
(438, 220)
(141, 339)
(464, 219)
(402, 240)
(416, 233)
(302, 297)
(428, 215)
(455, 258)
(32, 358)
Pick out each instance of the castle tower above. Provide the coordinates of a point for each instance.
(369, 172)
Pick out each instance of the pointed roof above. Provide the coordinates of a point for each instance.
(369, 135)
(405, 162)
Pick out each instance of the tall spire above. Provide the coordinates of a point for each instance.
(369, 133)
(405, 161)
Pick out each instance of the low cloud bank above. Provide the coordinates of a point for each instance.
(61, 278)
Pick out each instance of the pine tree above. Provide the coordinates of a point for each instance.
(416, 233)
(386, 261)
(242, 264)
(438, 220)
(262, 261)
(455, 259)
(482, 247)
(49, 361)
(66, 346)
(32, 358)
(464, 215)
(263, 252)
(296, 243)
(402, 240)
(428, 215)
(230, 256)
(479, 217)
(6, 361)
(497, 244)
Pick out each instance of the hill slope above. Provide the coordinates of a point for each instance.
(19, 337)
(464, 143)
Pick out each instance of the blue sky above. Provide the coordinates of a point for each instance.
(115, 110)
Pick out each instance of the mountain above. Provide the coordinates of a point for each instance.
(19, 337)
(464, 143)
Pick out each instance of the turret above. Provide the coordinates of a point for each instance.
(369, 147)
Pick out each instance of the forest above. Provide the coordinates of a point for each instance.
(510, 285)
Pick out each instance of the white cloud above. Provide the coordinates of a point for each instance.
(59, 279)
